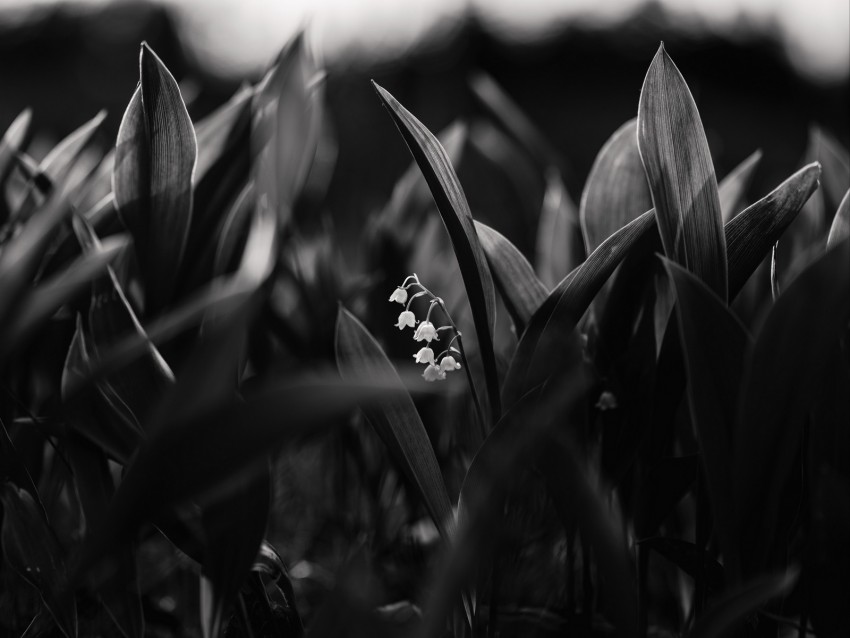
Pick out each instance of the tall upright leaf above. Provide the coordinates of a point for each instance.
(454, 210)
(395, 420)
(841, 222)
(155, 158)
(675, 154)
(777, 392)
(616, 191)
(558, 248)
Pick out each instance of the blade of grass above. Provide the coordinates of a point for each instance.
(675, 154)
(457, 218)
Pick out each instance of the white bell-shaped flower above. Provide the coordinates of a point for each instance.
(425, 355)
(433, 373)
(405, 319)
(426, 331)
(399, 295)
(448, 363)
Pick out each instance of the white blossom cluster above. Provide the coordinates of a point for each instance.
(409, 290)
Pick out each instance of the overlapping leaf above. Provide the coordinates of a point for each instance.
(678, 165)
(521, 290)
(395, 420)
(841, 222)
(616, 191)
(454, 210)
(558, 248)
(733, 188)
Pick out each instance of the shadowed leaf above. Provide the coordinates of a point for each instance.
(714, 344)
(692, 560)
(752, 233)
(32, 550)
(395, 419)
(551, 325)
(835, 161)
(733, 188)
(616, 191)
(723, 616)
(521, 290)
(840, 228)
(155, 158)
(454, 210)
(10, 144)
(777, 392)
(675, 154)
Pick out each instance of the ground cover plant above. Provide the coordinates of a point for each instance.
(213, 425)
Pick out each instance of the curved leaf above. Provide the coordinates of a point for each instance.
(713, 344)
(733, 187)
(722, 617)
(558, 248)
(521, 290)
(32, 550)
(10, 144)
(616, 191)
(395, 420)
(752, 233)
(536, 355)
(155, 158)
(680, 173)
(454, 210)
(777, 392)
(841, 223)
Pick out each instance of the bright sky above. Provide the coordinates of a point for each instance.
(244, 35)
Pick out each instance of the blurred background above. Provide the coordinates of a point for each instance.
(762, 73)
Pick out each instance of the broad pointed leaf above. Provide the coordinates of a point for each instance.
(675, 154)
(558, 248)
(733, 188)
(616, 191)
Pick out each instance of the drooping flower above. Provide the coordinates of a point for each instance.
(406, 318)
(433, 373)
(448, 363)
(426, 331)
(399, 295)
(425, 355)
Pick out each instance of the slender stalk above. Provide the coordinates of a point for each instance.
(478, 410)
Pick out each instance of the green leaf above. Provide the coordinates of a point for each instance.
(675, 154)
(454, 210)
(231, 549)
(552, 324)
(395, 420)
(714, 344)
(777, 392)
(558, 248)
(733, 188)
(521, 290)
(751, 234)
(723, 616)
(155, 158)
(285, 129)
(616, 191)
(31, 548)
(840, 228)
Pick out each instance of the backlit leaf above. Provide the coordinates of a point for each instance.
(521, 290)
(675, 154)
(616, 191)
(559, 248)
(841, 223)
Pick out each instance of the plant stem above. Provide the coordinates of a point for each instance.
(481, 421)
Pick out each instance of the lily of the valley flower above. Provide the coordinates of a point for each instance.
(425, 355)
(433, 373)
(449, 363)
(399, 295)
(426, 331)
(406, 318)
